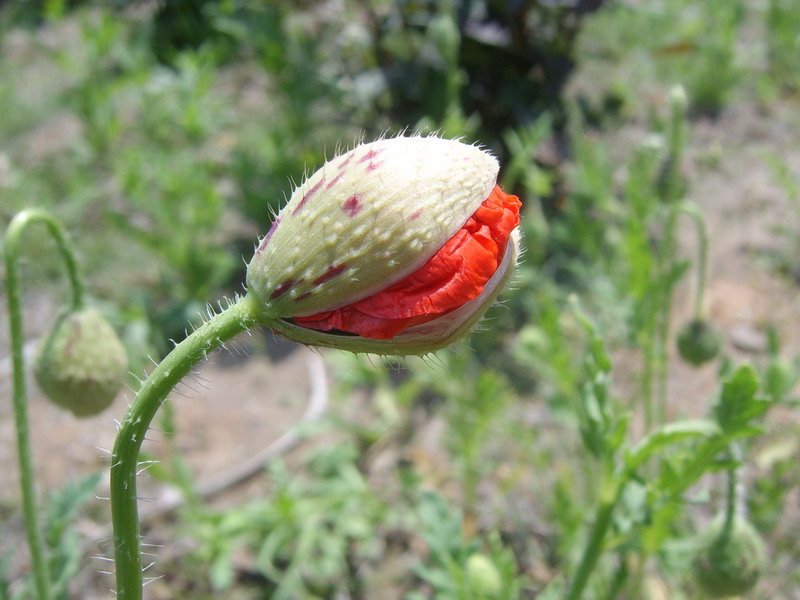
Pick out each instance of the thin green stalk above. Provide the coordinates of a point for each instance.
(594, 546)
(125, 455)
(649, 368)
(734, 500)
(702, 254)
(676, 139)
(12, 245)
(666, 266)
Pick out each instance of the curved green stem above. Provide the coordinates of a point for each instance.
(12, 244)
(702, 254)
(666, 261)
(125, 455)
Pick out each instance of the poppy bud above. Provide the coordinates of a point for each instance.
(729, 562)
(698, 342)
(483, 577)
(396, 247)
(81, 364)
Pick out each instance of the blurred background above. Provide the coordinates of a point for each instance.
(165, 134)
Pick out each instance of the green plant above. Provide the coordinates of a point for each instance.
(457, 569)
(604, 430)
(307, 537)
(65, 546)
(783, 47)
(59, 370)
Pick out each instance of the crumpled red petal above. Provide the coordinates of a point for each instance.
(452, 277)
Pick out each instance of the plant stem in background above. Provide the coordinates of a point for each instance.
(702, 253)
(677, 136)
(125, 456)
(734, 492)
(12, 251)
(673, 191)
(667, 268)
(594, 545)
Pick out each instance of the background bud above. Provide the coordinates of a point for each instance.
(483, 577)
(81, 363)
(698, 342)
(729, 563)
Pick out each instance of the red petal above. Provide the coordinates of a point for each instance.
(452, 277)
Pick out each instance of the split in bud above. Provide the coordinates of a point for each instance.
(81, 364)
(396, 247)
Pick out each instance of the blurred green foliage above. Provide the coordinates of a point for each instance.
(166, 134)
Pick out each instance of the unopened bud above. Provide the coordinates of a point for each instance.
(698, 342)
(396, 247)
(729, 561)
(483, 577)
(81, 363)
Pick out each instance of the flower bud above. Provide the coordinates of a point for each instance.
(698, 342)
(81, 364)
(483, 577)
(729, 562)
(396, 247)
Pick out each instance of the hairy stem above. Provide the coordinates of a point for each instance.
(125, 455)
(12, 246)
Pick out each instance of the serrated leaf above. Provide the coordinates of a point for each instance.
(65, 503)
(738, 404)
(616, 435)
(669, 434)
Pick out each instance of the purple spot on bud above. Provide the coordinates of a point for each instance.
(373, 165)
(302, 296)
(352, 206)
(349, 156)
(308, 194)
(282, 289)
(415, 215)
(332, 272)
(263, 245)
(333, 181)
(371, 153)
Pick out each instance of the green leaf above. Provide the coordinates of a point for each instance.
(64, 504)
(5, 591)
(616, 435)
(738, 404)
(669, 434)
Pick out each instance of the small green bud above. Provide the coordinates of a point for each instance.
(779, 379)
(698, 342)
(729, 562)
(483, 577)
(81, 364)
